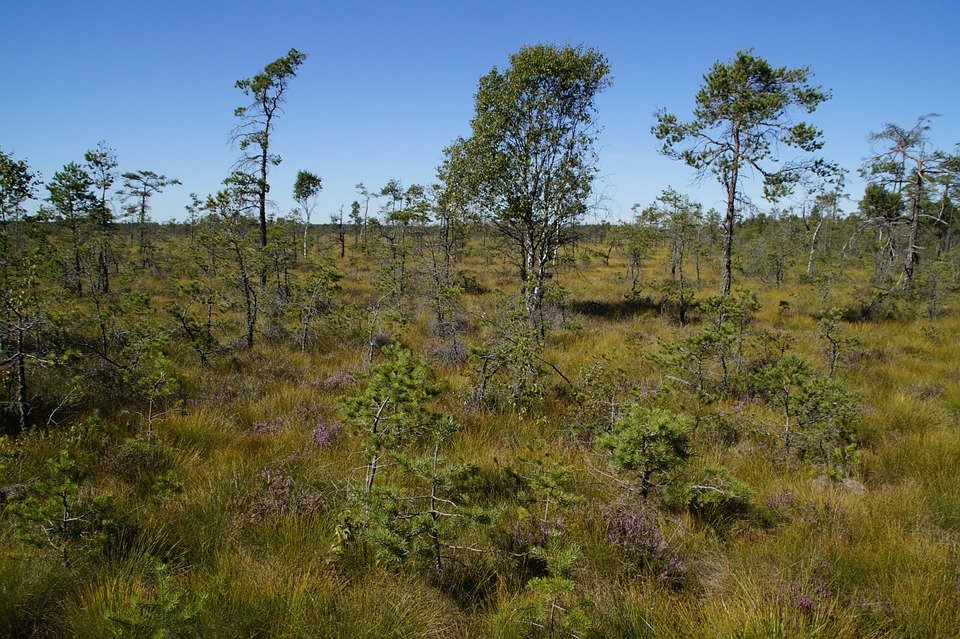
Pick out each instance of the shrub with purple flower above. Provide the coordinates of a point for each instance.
(338, 379)
(325, 432)
(632, 530)
(135, 461)
(781, 500)
(523, 539)
(808, 597)
(274, 494)
(783, 506)
(269, 426)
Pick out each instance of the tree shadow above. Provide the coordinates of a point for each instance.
(617, 309)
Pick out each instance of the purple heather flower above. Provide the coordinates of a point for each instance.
(632, 531)
(338, 379)
(781, 500)
(325, 432)
(269, 427)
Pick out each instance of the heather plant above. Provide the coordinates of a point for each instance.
(273, 494)
(525, 539)
(811, 597)
(632, 529)
(325, 432)
(269, 426)
(137, 461)
(336, 380)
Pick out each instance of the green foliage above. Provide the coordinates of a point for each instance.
(313, 297)
(679, 219)
(423, 510)
(748, 101)
(488, 522)
(508, 368)
(879, 203)
(717, 497)
(552, 605)
(817, 411)
(741, 119)
(604, 389)
(547, 483)
(420, 505)
(393, 410)
(634, 242)
(266, 91)
(166, 613)
(57, 516)
(651, 444)
(830, 330)
(17, 185)
(708, 360)
(529, 162)
(306, 186)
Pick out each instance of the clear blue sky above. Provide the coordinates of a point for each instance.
(388, 84)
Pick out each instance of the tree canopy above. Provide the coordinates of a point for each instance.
(529, 164)
(743, 115)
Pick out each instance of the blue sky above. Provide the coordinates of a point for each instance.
(388, 85)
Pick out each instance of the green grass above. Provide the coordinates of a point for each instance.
(881, 562)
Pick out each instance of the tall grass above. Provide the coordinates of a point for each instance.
(876, 556)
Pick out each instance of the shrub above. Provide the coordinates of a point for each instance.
(817, 412)
(633, 531)
(715, 496)
(274, 494)
(57, 515)
(166, 612)
(137, 462)
(651, 444)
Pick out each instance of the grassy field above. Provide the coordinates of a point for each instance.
(240, 515)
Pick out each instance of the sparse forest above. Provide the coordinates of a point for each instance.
(474, 408)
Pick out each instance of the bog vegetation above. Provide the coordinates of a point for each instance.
(472, 409)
